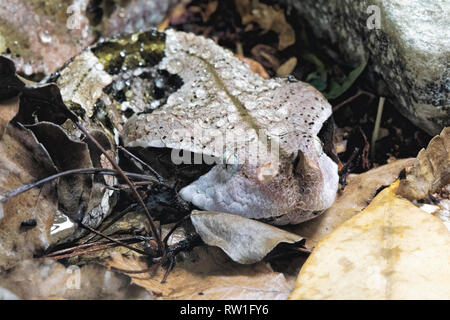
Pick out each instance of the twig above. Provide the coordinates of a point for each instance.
(128, 153)
(345, 170)
(350, 99)
(82, 252)
(365, 151)
(112, 239)
(86, 245)
(102, 171)
(114, 220)
(169, 268)
(376, 128)
(157, 236)
(79, 250)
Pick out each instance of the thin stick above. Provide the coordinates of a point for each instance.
(157, 236)
(376, 129)
(102, 171)
(87, 245)
(114, 220)
(345, 170)
(169, 268)
(350, 99)
(81, 252)
(112, 239)
(157, 175)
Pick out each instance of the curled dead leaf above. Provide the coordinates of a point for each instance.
(243, 240)
(77, 191)
(23, 160)
(266, 55)
(430, 171)
(255, 66)
(269, 18)
(66, 154)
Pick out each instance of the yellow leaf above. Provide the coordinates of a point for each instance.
(391, 250)
(358, 193)
(286, 68)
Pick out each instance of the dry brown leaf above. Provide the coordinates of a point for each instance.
(268, 18)
(266, 55)
(287, 67)
(24, 160)
(210, 8)
(8, 110)
(244, 7)
(391, 250)
(48, 279)
(255, 66)
(164, 24)
(206, 273)
(243, 240)
(356, 196)
(67, 154)
(75, 190)
(178, 10)
(430, 171)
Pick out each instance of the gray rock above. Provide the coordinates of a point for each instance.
(408, 47)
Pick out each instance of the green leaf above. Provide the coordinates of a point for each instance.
(318, 80)
(337, 88)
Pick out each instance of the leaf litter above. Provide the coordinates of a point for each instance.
(391, 250)
(209, 271)
(22, 160)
